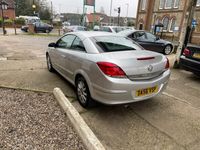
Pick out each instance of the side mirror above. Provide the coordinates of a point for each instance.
(157, 38)
(52, 45)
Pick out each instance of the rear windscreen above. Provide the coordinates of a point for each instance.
(115, 44)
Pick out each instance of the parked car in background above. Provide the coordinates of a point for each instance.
(190, 59)
(149, 41)
(73, 28)
(112, 29)
(43, 27)
(96, 28)
(108, 68)
(39, 27)
(30, 19)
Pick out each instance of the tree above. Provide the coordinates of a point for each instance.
(24, 7)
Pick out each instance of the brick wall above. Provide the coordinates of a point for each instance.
(9, 13)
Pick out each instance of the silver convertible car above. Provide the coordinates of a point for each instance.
(108, 68)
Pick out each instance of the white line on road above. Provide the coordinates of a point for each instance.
(179, 99)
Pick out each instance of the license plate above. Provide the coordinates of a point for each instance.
(147, 91)
(196, 55)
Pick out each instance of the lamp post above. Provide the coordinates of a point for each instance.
(127, 12)
(34, 7)
(3, 6)
(111, 12)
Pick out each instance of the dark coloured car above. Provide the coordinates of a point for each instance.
(149, 41)
(24, 28)
(39, 27)
(190, 59)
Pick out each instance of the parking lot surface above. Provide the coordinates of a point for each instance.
(168, 121)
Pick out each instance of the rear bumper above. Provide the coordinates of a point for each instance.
(190, 65)
(124, 92)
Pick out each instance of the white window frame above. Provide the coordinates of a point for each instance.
(198, 3)
(166, 4)
(171, 24)
(175, 1)
(163, 5)
(143, 4)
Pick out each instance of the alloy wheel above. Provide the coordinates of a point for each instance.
(82, 92)
(167, 50)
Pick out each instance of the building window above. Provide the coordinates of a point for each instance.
(162, 3)
(198, 2)
(173, 24)
(168, 4)
(143, 6)
(176, 3)
(165, 23)
(158, 21)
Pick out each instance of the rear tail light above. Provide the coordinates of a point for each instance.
(167, 64)
(111, 69)
(146, 58)
(186, 52)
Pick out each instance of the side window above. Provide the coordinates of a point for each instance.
(37, 24)
(132, 36)
(78, 45)
(42, 25)
(140, 35)
(151, 37)
(66, 41)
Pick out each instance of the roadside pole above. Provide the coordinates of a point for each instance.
(111, 12)
(186, 29)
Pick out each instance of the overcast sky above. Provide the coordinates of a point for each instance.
(76, 6)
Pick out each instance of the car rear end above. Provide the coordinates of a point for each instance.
(129, 75)
(190, 59)
(24, 28)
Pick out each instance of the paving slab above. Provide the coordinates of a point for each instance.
(176, 119)
(119, 127)
(39, 79)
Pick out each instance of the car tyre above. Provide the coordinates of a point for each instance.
(167, 49)
(47, 31)
(83, 93)
(49, 64)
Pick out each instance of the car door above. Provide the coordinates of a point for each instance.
(37, 26)
(76, 54)
(140, 38)
(153, 43)
(62, 56)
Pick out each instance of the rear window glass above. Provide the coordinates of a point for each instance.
(106, 29)
(115, 44)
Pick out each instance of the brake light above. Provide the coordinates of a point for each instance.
(167, 64)
(111, 69)
(145, 58)
(186, 52)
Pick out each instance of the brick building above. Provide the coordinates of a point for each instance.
(170, 13)
(10, 12)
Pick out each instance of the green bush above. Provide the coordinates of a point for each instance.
(19, 21)
(0, 22)
(8, 22)
(46, 21)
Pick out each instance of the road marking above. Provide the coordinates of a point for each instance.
(179, 99)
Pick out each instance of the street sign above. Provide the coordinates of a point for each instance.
(194, 22)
